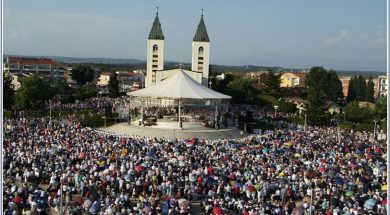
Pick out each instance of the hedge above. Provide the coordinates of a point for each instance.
(260, 124)
(97, 121)
(7, 114)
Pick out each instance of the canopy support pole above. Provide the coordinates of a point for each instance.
(180, 123)
(216, 115)
(142, 112)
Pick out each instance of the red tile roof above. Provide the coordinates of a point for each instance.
(32, 61)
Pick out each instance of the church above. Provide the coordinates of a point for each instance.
(155, 72)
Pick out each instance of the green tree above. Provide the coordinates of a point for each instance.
(220, 85)
(8, 93)
(84, 92)
(327, 82)
(334, 90)
(370, 90)
(317, 81)
(287, 107)
(357, 89)
(113, 86)
(381, 108)
(33, 93)
(241, 90)
(354, 113)
(272, 81)
(82, 74)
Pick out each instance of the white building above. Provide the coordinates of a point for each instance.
(155, 72)
(382, 86)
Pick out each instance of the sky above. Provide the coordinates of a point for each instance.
(340, 35)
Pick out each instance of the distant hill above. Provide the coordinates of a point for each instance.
(76, 60)
(135, 63)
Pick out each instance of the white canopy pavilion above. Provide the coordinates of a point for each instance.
(179, 87)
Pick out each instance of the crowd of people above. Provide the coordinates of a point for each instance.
(52, 166)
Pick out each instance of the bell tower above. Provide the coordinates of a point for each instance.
(155, 52)
(201, 52)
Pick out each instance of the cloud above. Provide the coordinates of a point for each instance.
(344, 35)
(379, 37)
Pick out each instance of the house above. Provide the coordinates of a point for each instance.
(260, 75)
(292, 80)
(104, 78)
(332, 107)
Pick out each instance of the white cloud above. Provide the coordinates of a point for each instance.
(343, 35)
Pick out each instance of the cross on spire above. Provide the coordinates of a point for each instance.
(202, 11)
(157, 11)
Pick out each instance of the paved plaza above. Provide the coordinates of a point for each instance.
(171, 130)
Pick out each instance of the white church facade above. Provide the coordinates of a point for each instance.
(155, 72)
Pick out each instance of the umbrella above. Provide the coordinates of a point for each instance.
(87, 203)
(147, 210)
(251, 189)
(339, 181)
(384, 187)
(82, 155)
(210, 170)
(181, 157)
(217, 211)
(95, 207)
(112, 167)
(384, 202)
(79, 200)
(369, 204)
(298, 211)
(138, 168)
(127, 177)
(322, 169)
(183, 203)
(349, 193)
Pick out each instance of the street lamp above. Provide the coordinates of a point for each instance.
(375, 121)
(210, 84)
(305, 123)
(276, 108)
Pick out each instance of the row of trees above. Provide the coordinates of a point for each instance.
(360, 89)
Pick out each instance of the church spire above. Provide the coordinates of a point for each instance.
(156, 32)
(201, 33)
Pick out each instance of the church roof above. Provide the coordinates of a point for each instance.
(201, 33)
(156, 32)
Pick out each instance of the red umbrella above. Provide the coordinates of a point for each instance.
(232, 176)
(79, 200)
(82, 155)
(251, 189)
(226, 158)
(138, 168)
(217, 211)
(322, 169)
(210, 170)
(17, 200)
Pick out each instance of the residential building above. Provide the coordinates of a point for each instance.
(45, 67)
(345, 84)
(17, 79)
(129, 81)
(381, 86)
(292, 80)
(104, 78)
